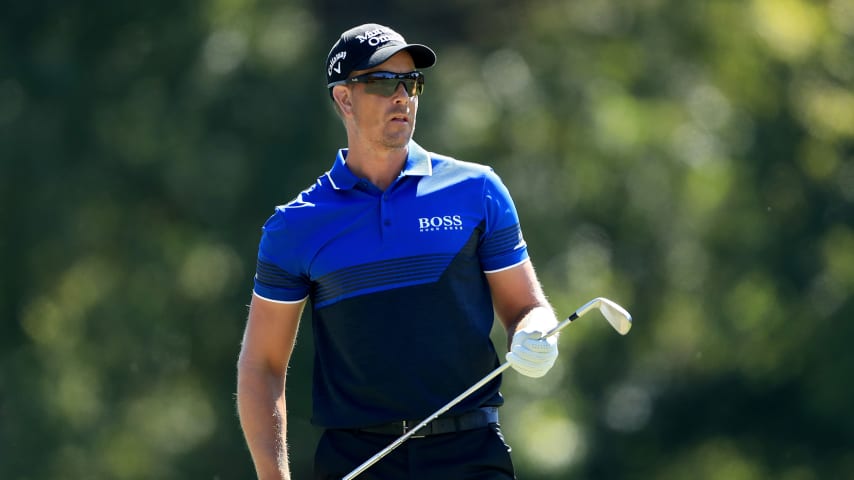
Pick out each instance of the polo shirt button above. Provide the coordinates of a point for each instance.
(387, 222)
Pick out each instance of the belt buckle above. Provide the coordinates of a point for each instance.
(407, 426)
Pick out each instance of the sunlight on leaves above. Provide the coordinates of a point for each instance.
(550, 440)
(790, 28)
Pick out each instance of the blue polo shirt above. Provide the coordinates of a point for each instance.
(401, 309)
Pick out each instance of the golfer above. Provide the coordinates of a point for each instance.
(406, 257)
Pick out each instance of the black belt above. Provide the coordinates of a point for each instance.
(448, 424)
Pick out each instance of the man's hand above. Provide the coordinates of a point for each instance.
(530, 354)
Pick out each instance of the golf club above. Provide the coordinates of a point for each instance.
(616, 315)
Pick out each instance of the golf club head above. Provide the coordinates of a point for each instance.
(616, 315)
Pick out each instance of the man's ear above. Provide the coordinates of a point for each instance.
(342, 96)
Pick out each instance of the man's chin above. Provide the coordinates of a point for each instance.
(397, 141)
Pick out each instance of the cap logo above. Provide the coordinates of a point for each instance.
(379, 36)
(335, 63)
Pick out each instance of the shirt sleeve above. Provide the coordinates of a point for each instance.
(274, 280)
(502, 244)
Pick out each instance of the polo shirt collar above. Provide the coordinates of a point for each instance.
(417, 164)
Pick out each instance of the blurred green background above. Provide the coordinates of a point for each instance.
(692, 160)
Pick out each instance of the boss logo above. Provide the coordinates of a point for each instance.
(444, 222)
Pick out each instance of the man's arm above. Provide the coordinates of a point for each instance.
(267, 345)
(518, 297)
(526, 314)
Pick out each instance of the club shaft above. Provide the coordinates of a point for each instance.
(491, 375)
(382, 453)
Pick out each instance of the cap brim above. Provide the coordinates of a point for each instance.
(422, 56)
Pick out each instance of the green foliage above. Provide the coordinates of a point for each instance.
(691, 160)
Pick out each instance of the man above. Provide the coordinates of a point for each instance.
(406, 256)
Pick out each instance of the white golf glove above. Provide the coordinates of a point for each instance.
(530, 354)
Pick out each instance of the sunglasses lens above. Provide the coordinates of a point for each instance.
(385, 86)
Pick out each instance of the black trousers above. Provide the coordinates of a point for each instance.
(479, 454)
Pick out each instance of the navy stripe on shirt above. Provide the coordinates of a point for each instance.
(270, 274)
(502, 241)
(400, 271)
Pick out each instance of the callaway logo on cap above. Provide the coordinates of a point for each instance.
(367, 46)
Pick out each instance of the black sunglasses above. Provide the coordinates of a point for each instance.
(385, 83)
